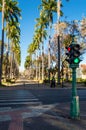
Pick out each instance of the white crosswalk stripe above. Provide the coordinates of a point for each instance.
(18, 98)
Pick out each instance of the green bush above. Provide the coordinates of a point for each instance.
(79, 80)
(85, 82)
(46, 81)
(10, 80)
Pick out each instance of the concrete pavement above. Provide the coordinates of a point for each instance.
(44, 117)
(57, 118)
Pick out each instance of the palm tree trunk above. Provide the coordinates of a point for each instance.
(7, 59)
(42, 61)
(2, 45)
(49, 58)
(58, 39)
(39, 72)
(36, 67)
(11, 60)
(39, 67)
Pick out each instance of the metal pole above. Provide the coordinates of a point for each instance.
(74, 91)
(75, 110)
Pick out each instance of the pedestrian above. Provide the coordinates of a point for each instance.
(52, 82)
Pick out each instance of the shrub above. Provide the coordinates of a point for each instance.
(46, 81)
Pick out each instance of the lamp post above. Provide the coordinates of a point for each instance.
(2, 45)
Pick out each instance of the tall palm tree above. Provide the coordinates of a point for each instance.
(41, 24)
(10, 12)
(49, 7)
(37, 41)
(2, 45)
(14, 37)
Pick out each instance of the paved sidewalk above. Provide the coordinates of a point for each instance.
(57, 118)
(43, 117)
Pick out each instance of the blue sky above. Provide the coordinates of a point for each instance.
(74, 9)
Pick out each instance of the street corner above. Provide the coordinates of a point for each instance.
(53, 119)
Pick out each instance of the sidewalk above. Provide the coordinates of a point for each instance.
(57, 118)
(43, 117)
(42, 86)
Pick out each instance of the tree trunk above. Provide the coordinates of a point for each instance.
(36, 67)
(2, 45)
(49, 58)
(42, 60)
(58, 39)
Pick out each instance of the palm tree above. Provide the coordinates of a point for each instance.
(14, 37)
(10, 12)
(2, 45)
(41, 24)
(49, 6)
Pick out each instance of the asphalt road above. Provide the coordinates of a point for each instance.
(22, 97)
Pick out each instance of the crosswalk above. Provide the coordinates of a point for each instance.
(17, 98)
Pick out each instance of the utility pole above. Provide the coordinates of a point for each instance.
(58, 38)
(2, 45)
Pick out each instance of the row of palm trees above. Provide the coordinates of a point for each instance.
(47, 10)
(11, 14)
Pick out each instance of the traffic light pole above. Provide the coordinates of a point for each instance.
(74, 90)
(74, 110)
(73, 58)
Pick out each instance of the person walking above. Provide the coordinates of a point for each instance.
(52, 82)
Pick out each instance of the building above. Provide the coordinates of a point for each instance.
(81, 71)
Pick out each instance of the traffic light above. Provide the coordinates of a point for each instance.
(68, 54)
(73, 54)
(76, 53)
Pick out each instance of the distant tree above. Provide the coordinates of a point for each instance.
(83, 27)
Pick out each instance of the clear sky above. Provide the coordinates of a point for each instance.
(74, 9)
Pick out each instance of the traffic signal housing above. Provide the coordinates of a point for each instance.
(73, 54)
(68, 52)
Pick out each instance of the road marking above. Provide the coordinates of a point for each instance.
(5, 117)
(14, 103)
(5, 109)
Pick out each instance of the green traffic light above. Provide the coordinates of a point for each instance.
(76, 60)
